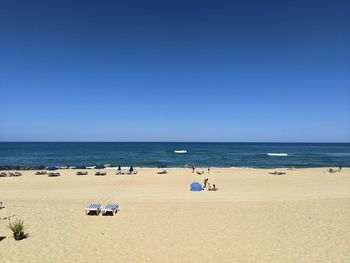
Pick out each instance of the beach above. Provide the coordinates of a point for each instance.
(300, 216)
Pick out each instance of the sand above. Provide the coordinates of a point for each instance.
(302, 216)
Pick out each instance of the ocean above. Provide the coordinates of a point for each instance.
(142, 154)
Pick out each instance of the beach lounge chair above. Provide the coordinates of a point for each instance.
(110, 208)
(53, 174)
(96, 208)
(100, 174)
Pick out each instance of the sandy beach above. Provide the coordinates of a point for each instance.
(302, 216)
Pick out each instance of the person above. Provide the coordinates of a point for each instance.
(209, 186)
(131, 169)
(330, 170)
(205, 183)
(214, 188)
(193, 168)
(208, 170)
(339, 168)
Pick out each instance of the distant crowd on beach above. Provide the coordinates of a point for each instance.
(193, 167)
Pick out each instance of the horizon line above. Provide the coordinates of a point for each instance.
(168, 142)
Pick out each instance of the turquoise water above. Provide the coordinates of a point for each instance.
(253, 155)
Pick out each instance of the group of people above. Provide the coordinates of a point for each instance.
(331, 170)
(193, 166)
(207, 186)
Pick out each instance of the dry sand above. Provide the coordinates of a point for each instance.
(303, 216)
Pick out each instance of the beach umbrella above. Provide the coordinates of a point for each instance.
(195, 186)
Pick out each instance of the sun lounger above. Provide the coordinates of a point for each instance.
(162, 172)
(100, 174)
(96, 208)
(111, 208)
(82, 173)
(7, 174)
(53, 174)
(123, 171)
(41, 173)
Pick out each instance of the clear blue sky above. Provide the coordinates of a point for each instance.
(175, 71)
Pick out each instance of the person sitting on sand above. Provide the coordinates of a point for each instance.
(214, 188)
(198, 172)
(330, 170)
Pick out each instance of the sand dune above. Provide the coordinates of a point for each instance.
(302, 216)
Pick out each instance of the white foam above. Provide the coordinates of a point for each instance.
(277, 154)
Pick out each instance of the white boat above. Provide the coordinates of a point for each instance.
(180, 151)
(277, 154)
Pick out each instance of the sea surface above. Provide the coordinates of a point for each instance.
(112, 154)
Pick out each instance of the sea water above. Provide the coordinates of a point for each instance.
(139, 154)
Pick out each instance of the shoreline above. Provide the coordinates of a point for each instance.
(13, 168)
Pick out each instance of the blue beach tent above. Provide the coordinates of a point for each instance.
(195, 186)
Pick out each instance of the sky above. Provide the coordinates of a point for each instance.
(221, 71)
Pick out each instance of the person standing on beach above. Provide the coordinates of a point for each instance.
(205, 183)
(193, 168)
(208, 170)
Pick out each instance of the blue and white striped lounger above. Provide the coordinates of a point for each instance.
(93, 208)
(111, 208)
